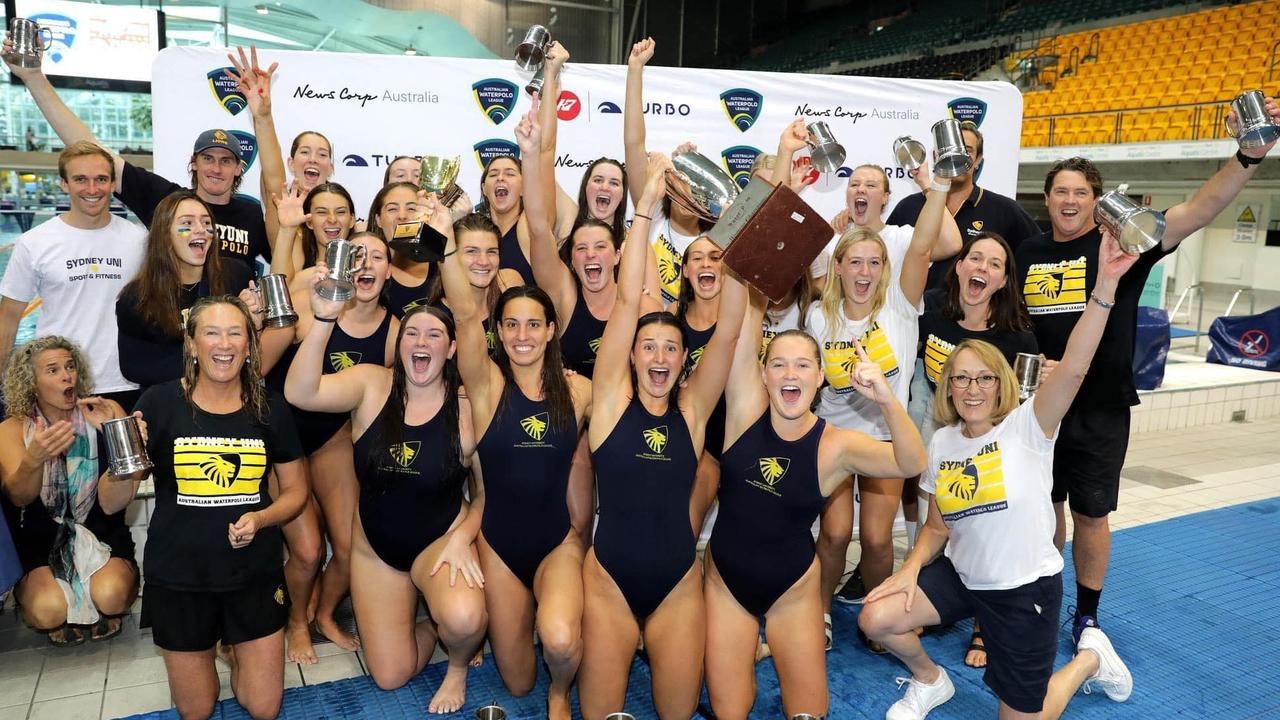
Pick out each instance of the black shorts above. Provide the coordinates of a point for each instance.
(1088, 458)
(184, 621)
(1019, 629)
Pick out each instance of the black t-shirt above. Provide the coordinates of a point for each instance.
(209, 471)
(983, 211)
(242, 232)
(147, 354)
(1056, 280)
(939, 337)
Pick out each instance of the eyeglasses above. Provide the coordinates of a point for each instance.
(961, 382)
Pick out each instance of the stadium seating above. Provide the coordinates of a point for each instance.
(952, 66)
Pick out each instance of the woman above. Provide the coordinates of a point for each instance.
(404, 168)
(991, 469)
(213, 553)
(413, 444)
(780, 465)
(527, 415)
(64, 507)
(410, 282)
(364, 333)
(182, 263)
(307, 225)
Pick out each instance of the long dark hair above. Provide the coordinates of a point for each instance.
(471, 222)
(392, 430)
(483, 206)
(156, 287)
(619, 221)
(375, 208)
(555, 388)
(663, 318)
(1008, 311)
(566, 247)
(310, 251)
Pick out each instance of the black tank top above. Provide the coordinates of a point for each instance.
(581, 339)
(511, 256)
(403, 298)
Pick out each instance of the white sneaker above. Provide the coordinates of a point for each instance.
(1112, 675)
(921, 697)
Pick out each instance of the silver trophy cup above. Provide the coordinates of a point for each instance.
(827, 154)
(1136, 228)
(909, 152)
(536, 82)
(620, 716)
(343, 258)
(1254, 127)
(700, 186)
(29, 42)
(1026, 367)
(804, 716)
(491, 712)
(952, 158)
(127, 452)
(532, 51)
(273, 292)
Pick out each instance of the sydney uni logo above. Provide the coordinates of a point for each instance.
(345, 359)
(773, 468)
(248, 148)
(225, 90)
(405, 453)
(495, 97)
(535, 425)
(742, 106)
(737, 161)
(489, 150)
(656, 438)
(964, 484)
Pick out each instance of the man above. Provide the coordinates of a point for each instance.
(1057, 274)
(216, 171)
(77, 263)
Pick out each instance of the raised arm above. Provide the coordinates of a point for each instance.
(948, 242)
(905, 456)
(480, 376)
(708, 381)
(286, 209)
(915, 265)
(633, 120)
(549, 272)
(749, 397)
(562, 209)
(792, 141)
(255, 84)
(306, 386)
(1055, 396)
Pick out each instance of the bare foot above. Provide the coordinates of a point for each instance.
(763, 651)
(558, 706)
(452, 693)
(337, 635)
(478, 660)
(298, 647)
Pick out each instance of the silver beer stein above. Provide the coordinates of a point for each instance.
(1137, 229)
(125, 448)
(700, 186)
(29, 42)
(909, 152)
(952, 158)
(1026, 367)
(804, 716)
(273, 293)
(1254, 127)
(827, 154)
(533, 50)
(344, 258)
(536, 82)
(491, 712)
(620, 716)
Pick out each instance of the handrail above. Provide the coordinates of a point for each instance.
(1198, 288)
(1236, 297)
(1095, 41)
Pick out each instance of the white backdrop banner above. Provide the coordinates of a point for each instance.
(375, 107)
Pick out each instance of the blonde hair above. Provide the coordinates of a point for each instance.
(84, 148)
(20, 375)
(944, 410)
(833, 292)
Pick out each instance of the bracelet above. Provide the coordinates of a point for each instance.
(1100, 302)
(317, 318)
(646, 217)
(1246, 161)
(940, 185)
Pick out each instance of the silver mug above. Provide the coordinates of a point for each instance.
(532, 51)
(1026, 367)
(827, 154)
(273, 293)
(536, 82)
(125, 448)
(344, 258)
(1137, 229)
(909, 152)
(1254, 127)
(700, 186)
(29, 42)
(491, 712)
(952, 158)
(804, 716)
(620, 716)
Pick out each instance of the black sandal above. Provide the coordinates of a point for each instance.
(70, 636)
(103, 630)
(976, 643)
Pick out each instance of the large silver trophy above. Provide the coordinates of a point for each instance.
(343, 258)
(952, 159)
(1254, 127)
(700, 186)
(827, 154)
(532, 51)
(1026, 367)
(1137, 229)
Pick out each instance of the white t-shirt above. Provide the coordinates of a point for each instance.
(889, 340)
(77, 274)
(994, 493)
(669, 245)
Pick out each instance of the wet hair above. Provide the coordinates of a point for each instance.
(86, 148)
(483, 207)
(566, 247)
(386, 175)
(833, 292)
(817, 350)
(663, 318)
(471, 222)
(944, 410)
(252, 392)
(380, 199)
(310, 244)
(686, 288)
(1081, 165)
(20, 374)
(297, 140)
(555, 387)
(1008, 309)
(156, 287)
(619, 220)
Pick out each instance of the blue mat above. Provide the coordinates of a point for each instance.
(1191, 605)
(1177, 332)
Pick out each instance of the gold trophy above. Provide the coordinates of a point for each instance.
(416, 239)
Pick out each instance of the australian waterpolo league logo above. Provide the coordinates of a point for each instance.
(226, 91)
(968, 109)
(488, 150)
(248, 148)
(738, 161)
(496, 98)
(742, 107)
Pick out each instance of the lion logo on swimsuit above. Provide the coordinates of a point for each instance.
(773, 468)
(696, 356)
(344, 360)
(656, 438)
(1049, 285)
(221, 470)
(535, 425)
(595, 344)
(405, 452)
(965, 484)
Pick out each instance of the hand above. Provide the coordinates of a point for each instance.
(249, 296)
(461, 207)
(685, 147)
(1273, 109)
(903, 581)
(253, 82)
(434, 213)
(841, 221)
(1046, 367)
(289, 207)
(142, 426)
(794, 138)
(868, 379)
(320, 307)
(241, 532)
(529, 132)
(641, 54)
(460, 556)
(802, 173)
(20, 72)
(95, 411)
(556, 56)
(655, 183)
(50, 441)
(922, 178)
(1112, 262)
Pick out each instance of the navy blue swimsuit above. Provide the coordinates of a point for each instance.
(581, 339)
(698, 340)
(769, 497)
(404, 298)
(511, 256)
(644, 539)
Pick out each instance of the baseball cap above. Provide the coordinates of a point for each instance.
(220, 139)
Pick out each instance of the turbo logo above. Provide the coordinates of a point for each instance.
(488, 150)
(355, 161)
(650, 108)
(742, 107)
(225, 90)
(569, 106)
(248, 148)
(608, 108)
(737, 161)
(495, 97)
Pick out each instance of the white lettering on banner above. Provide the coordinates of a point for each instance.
(376, 107)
